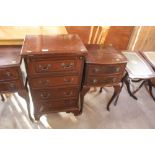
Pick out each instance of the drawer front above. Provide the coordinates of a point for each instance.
(105, 69)
(55, 93)
(46, 66)
(9, 74)
(54, 81)
(56, 106)
(102, 80)
(10, 86)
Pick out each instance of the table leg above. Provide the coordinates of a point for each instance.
(3, 99)
(144, 81)
(126, 81)
(150, 89)
(37, 117)
(117, 90)
(118, 94)
(84, 90)
(100, 90)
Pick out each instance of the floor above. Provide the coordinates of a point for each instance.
(128, 113)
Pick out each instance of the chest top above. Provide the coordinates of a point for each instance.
(9, 56)
(53, 44)
(104, 55)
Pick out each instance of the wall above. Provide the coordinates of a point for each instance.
(117, 36)
(145, 38)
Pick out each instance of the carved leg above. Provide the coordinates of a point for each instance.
(23, 93)
(117, 89)
(76, 113)
(100, 90)
(150, 89)
(126, 81)
(84, 90)
(37, 117)
(3, 99)
(118, 94)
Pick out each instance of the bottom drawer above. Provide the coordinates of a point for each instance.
(103, 80)
(10, 86)
(56, 106)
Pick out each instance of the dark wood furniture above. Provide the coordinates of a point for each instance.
(138, 70)
(104, 67)
(54, 67)
(11, 77)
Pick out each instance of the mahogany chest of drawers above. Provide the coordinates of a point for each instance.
(11, 77)
(54, 67)
(103, 67)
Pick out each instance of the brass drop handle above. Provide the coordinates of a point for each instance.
(8, 74)
(114, 80)
(94, 81)
(68, 80)
(44, 82)
(117, 69)
(44, 68)
(67, 66)
(12, 85)
(45, 95)
(96, 69)
(68, 93)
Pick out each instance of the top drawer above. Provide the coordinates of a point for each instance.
(8, 74)
(105, 69)
(59, 65)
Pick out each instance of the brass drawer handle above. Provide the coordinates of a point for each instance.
(8, 74)
(67, 66)
(94, 81)
(97, 70)
(12, 85)
(114, 79)
(43, 82)
(45, 95)
(68, 93)
(44, 68)
(117, 69)
(68, 80)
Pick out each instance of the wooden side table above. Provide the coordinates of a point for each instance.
(11, 78)
(138, 70)
(103, 67)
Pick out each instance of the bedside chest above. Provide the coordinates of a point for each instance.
(54, 67)
(11, 77)
(104, 67)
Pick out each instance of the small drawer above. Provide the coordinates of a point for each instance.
(54, 81)
(9, 74)
(105, 69)
(55, 93)
(48, 66)
(10, 86)
(56, 105)
(102, 80)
